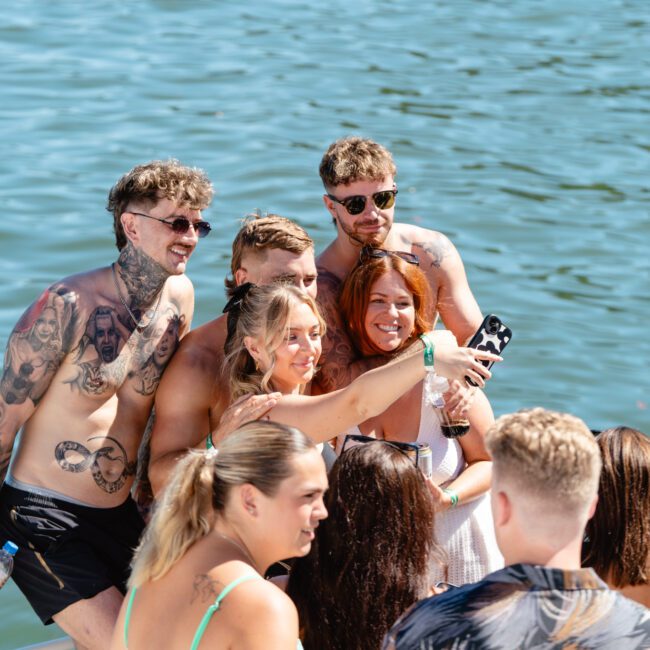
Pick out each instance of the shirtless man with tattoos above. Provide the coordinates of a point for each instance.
(81, 369)
(360, 194)
(193, 390)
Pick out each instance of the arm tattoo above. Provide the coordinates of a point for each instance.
(91, 460)
(435, 250)
(205, 588)
(39, 342)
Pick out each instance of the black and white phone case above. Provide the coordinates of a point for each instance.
(491, 336)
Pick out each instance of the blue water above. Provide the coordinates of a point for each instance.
(520, 130)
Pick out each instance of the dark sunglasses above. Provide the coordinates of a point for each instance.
(181, 225)
(369, 253)
(357, 204)
(408, 448)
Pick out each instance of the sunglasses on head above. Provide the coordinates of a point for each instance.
(408, 448)
(357, 204)
(181, 225)
(370, 253)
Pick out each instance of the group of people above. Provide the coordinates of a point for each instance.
(313, 358)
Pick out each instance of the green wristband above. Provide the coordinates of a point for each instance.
(208, 441)
(428, 351)
(452, 495)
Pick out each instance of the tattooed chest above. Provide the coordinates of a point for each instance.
(109, 355)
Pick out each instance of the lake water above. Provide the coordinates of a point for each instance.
(519, 129)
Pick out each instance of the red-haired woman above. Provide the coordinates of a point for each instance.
(385, 302)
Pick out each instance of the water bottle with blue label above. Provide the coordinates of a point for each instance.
(7, 561)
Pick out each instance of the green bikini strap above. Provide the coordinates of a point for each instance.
(127, 617)
(213, 608)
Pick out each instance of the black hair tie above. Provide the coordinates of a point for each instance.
(234, 305)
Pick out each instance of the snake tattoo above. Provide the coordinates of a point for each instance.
(91, 460)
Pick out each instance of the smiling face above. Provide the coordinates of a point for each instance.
(390, 317)
(291, 515)
(370, 226)
(171, 250)
(298, 353)
(45, 326)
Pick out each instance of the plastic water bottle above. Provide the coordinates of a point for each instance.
(7, 561)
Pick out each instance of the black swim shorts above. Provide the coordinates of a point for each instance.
(67, 551)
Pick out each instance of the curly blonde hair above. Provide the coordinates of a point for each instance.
(153, 181)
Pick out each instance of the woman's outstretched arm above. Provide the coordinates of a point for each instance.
(323, 416)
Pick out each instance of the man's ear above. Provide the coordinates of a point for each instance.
(241, 276)
(502, 510)
(592, 507)
(329, 204)
(128, 220)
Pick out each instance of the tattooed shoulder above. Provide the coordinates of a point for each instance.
(205, 588)
(40, 340)
(435, 249)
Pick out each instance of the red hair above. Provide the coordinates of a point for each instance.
(355, 297)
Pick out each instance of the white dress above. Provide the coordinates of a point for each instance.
(465, 532)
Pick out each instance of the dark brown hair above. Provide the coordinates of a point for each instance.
(617, 537)
(355, 297)
(370, 559)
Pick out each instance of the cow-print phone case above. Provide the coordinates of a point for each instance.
(491, 336)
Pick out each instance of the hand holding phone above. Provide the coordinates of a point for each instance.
(491, 336)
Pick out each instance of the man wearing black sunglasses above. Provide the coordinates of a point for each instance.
(360, 194)
(82, 396)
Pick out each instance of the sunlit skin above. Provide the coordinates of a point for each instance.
(372, 225)
(390, 317)
(279, 265)
(158, 241)
(292, 514)
(298, 354)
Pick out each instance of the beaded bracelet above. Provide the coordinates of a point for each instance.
(429, 350)
(452, 495)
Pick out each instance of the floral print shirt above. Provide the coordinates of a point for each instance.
(525, 606)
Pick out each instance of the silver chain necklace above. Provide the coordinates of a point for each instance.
(138, 323)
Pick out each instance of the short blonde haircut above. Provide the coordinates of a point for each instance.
(549, 456)
(352, 159)
(149, 183)
(260, 234)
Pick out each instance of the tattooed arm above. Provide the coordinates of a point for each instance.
(340, 363)
(40, 340)
(454, 300)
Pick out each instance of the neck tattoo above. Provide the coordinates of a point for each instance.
(241, 547)
(139, 326)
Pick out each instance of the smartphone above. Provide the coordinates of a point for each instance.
(491, 336)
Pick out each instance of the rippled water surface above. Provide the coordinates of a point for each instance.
(519, 129)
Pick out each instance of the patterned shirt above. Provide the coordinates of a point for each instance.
(525, 606)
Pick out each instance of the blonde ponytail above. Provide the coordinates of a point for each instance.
(260, 453)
